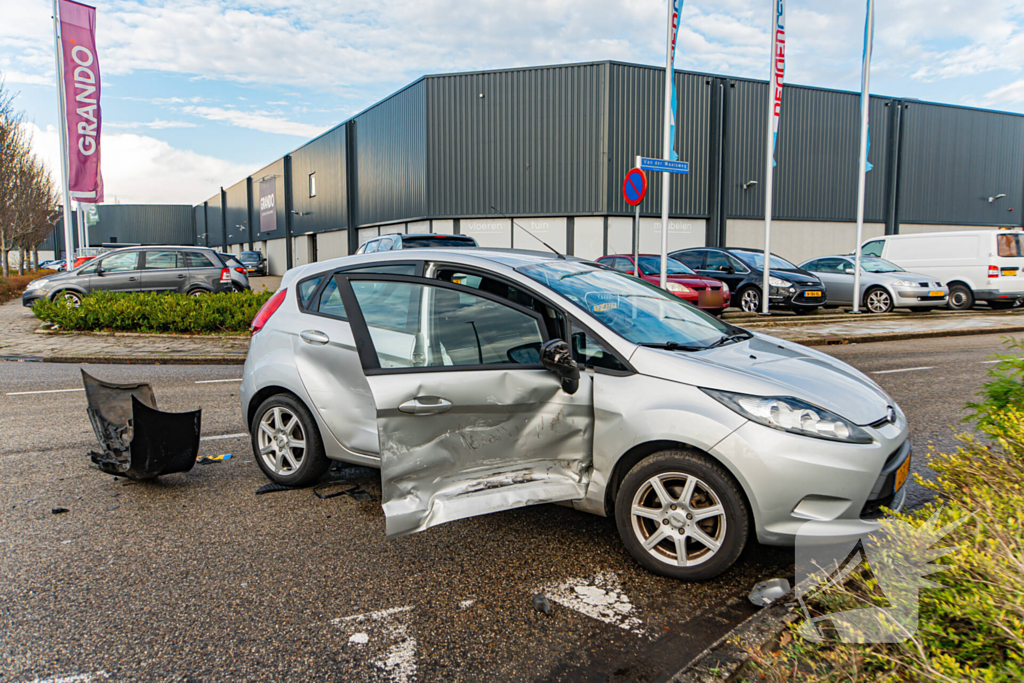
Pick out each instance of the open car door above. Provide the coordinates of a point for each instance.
(470, 422)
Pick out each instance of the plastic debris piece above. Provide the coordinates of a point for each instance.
(272, 487)
(360, 495)
(332, 489)
(59, 511)
(112, 507)
(767, 592)
(211, 459)
(541, 604)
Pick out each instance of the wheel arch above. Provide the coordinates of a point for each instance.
(266, 392)
(77, 289)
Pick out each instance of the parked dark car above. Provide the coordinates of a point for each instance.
(417, 241)
(706, 293)
(743, 270)
(195, 271)
(254, 262)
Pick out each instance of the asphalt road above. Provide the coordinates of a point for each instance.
(197, 578)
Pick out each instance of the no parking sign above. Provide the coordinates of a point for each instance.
(634, 187)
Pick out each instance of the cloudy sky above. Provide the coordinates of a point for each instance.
(200, 94)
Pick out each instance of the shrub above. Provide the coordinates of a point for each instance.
(972, 626)
(13, 286)
(155, 312)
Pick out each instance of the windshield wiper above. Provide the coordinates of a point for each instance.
(672, 346)
(734, 337)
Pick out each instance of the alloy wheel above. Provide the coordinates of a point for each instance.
(750, 302)
(282, 443)
(879, 301)
(678, 519)
(198, 293)
(71, 299)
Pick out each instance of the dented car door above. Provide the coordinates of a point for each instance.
(469, 421)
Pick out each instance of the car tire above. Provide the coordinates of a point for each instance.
(750, 299)
(198, 293)
(72, 299)
(878, 300)
(275, 427)
(961, 298)
(1001, 305)
(711, 487)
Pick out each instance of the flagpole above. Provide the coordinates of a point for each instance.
(865, 101)
(775, 75)
(62, 125)
(666, 147)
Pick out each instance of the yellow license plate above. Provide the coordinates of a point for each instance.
(812, 294)
(937, 293)
(1009, 272)
(251, 270)
(901, 475)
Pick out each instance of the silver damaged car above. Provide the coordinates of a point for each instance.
(486, 380)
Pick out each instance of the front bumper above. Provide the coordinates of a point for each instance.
(920, 296)
(792, 480)
(708, 299)
(797, 297)
(29, 297)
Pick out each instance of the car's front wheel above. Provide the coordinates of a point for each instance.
(682, 515)
(750, 300)
(878, 300)
(286, 442)
(961, 298)
(69, 298)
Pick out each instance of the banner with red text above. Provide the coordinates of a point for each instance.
(82, 99)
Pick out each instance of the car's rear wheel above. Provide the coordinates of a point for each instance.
(198, 293)
(681, 515)
(878, 300)
(286, 442)
(961, 298)
(750, 300)
(70, 299)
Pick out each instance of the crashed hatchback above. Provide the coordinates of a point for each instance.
(486, 380)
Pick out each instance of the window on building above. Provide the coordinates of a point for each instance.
(312, 184)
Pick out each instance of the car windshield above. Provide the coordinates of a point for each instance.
(879, 265)
(632, 308)
(756, 260)
(651, 265)
(249, 257)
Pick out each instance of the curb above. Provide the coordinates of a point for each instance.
(129, 360)
(143, 335)
(898, 336)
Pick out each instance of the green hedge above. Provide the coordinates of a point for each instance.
(155, 312)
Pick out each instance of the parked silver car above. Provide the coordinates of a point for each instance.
(883, 285)
(190, 270)
(485, 380)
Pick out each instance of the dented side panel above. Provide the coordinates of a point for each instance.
(511, 438)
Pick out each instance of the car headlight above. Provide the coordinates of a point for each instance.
(677, 288)
(36, 284)
(904, 283)
(778, 282)
(791, 415)
(725, 288)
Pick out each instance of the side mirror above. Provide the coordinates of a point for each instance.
(849, 270)
(556, 357)
(525, 354)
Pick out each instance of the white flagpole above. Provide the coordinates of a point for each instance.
(62, 125)
(666, 147)
(865, 101)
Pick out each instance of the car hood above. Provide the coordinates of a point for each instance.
(799, 277)
(766, 366)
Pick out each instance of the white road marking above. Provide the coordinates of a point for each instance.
(392, 626)
(73, 678)
(990, 362)
(214, 381)
(889, 372)
(224, 436)
(46, 391)
(600, 597)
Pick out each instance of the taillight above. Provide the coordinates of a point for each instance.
(268, 309)
(225, 275)
(240, 270)
(993, 271)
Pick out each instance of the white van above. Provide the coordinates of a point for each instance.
(976, 265)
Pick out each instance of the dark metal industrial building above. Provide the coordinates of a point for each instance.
(549, 147)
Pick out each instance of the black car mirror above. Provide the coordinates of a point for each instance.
(557, 357)
(727, 269)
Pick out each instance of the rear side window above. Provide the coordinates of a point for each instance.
(371, 247)
(163, 260)
(1008, 245)
(439, 242)
(330, 301)
(693, 259)
(128, 260)
(718, 261)
(306, 289)
(197, 259)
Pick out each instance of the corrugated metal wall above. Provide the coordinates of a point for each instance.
(953, 159)
(140, 224)
(324, 156)
(236, 212)
(275, 172)
(391, 158)
(526, 141)
(635, 127)
(214, 221)
(200, 222)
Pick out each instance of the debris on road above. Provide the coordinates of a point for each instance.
(139, 441)
(767, 592)
(541, 604)
(213, 459)
(272, 487)
(59, 511)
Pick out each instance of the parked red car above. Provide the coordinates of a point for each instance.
(706, 293)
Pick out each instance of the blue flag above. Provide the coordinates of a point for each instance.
(869, 36)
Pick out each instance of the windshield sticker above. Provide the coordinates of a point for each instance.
(607, 306)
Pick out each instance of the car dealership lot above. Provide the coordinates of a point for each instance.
(198, 578)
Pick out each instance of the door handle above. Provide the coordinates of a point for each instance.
(131, 279)
(181, 277)
(314, 337)
(426, 405)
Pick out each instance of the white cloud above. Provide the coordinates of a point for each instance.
(142, 169)
(1011, 93)
(156, 124)
(256, 120)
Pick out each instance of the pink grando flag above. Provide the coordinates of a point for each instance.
(82, 98)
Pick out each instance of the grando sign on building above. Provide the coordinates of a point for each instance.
(268, 205)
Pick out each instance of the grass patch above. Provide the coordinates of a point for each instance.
(12, 287)
(971, 627)
(155, 312)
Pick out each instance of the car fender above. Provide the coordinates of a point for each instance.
(67, 287)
